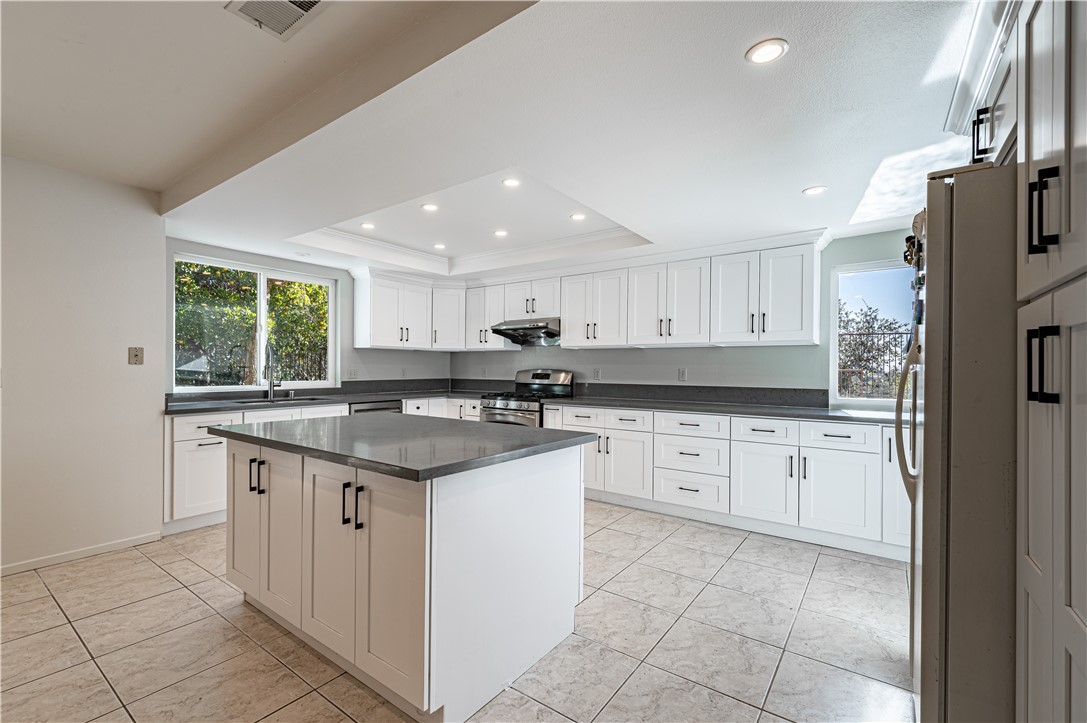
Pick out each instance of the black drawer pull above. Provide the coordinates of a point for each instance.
(764, 322)
(688, 489)
(208, 444)
(752, 323)
(804, 467)
(260, 464)
(767, 431)
(660, 327)
(690, 424)
(206, 426)
(980, 117)
(691, 454)
(358, 491)
(627, 419)
(607, 445)
(790, 466)
(252, 461)
(838, 436)
(582, 416)
(343, 503)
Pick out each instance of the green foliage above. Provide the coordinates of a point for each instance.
(298, 329)
(870, 352)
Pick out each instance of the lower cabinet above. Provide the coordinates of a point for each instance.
(628, 463)
(272, 415)
(330, 410)
(764, 482)
(552, 418)
(841, 492)
(199, 480)
(592, 457)
(438, 407)
(417, 406)
(707, 492)
(897, 519)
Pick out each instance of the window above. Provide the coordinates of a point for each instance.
(868, 343)
(228, 319)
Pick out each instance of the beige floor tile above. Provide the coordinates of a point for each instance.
(599, 568)
(361, 703)
(79, 693)
(247, 687)
(158, 662)
(310, 708)
(778, 585)
(38, 655)
(876, 610)
(307, 663)
(864, 557)
(747, 615)
(659, 588)
(619, 544)
(798, 545)
(577, 678)
(261, 628)
(728, 663)
(648, 524)
(187, 572)
(865, 575)
(602, 514)
(858, 648)
(160, 553)
(761, 551)
(20, 588)
(621, 624)
(589, 529)
(218, 594)
(88, 570)
(721, 541)
(586, 591)
(114, 716)
(652, 695)
(767, 717)
(510, 706)
(114, 629)
(684, 561)
(30, 617)
(140, 580)
(807, 690)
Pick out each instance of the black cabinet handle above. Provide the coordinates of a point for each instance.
(598, 444)
(669, 327)
(691, 454)
(1037, 240)
(980, 118)
(208, 444)
(752, 323)
(252, 461)
(627, 419)
(660, 327)
(888, 450)
(804, 467)
(526, 306)
(206, 426)
(587, 331)
(767, 431)
(407, 333)
(343, 503)
(790, 466)
(838, 436)
(401, 333)
(533, 306)
(582, 416)
(435, 337)
(764, 322)
(358, 491)
(594, 329)
(1040, 395)
(607, 445)
(260, 464)
(690, 424)
(688, 489)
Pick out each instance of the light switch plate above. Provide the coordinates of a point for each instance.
(596, 374)
(683, 374)
(135, 355)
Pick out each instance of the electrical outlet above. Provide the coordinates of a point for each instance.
(683, 374)
(352, 373)
(135, 355)
(484, 372)
(596, 374)
(403, 371)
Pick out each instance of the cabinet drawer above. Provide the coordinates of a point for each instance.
(691, 489)
(331, 410)
(774, 431)
(582, 417)
(628, 419)
(271, 415)
(195, 426)
(830, 435)
(691, 425)
(471, 408)
(692, 454)
(417, 406)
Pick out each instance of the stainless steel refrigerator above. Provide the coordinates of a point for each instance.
(956, 444)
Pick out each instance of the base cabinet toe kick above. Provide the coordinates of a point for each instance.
(394, 580)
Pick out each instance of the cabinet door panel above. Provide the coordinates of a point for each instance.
(243, 518)
(646, 302)
(1070, 257)
(592, 457)
(385, 317)
(688, 302)
(735, 298)
(610, 308)
(896, 504)
(545, 298)
(628, 463)
(764, 482)
(415, 316)
(328, 555)
(448, 316)
(787, 281)
(199, 477)
(331, 410)
(281, 534)
(475, 318)
(841, 492)
(391, 594)
(494, 302)
(577, 311)
(518, 301)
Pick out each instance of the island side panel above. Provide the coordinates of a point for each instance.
(505, 575)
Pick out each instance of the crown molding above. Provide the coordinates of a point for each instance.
(993, 25)
(379, 253)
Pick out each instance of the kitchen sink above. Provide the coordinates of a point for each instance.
(281, 400)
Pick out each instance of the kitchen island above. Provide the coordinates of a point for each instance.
(435, 560)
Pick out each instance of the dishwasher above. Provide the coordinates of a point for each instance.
(393, 405)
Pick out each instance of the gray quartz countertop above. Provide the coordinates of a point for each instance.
(738, 410)
(401, 445)
(305, 400)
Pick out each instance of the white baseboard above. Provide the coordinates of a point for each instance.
(191, 523)
(816, 537)
(77, 554)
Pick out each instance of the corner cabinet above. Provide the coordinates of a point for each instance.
(391, 314)
(448, 319)
(485, 307)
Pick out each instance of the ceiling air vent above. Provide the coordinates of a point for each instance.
(281, 18)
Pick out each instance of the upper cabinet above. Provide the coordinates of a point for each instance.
(1052, 144)
(765, 297)
(538, 299)
(669, 304)
(448, 320)
(594, 309)
(484, 307)
(392, 314)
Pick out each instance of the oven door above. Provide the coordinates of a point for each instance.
(509, 416)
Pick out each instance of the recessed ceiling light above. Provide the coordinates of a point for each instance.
(511, 182)
(367, 225)
(430, 207)
(439, 246)
(814, 190)
(767, 51)
(577, 217)
(501, 233)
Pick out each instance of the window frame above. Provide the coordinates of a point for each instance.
(264, 273)
(836, 272)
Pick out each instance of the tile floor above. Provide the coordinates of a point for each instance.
(680, 621)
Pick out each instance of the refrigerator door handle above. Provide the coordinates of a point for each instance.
(909, 479)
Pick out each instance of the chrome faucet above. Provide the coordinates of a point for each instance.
(269, 371)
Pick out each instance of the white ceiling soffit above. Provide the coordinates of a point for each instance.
(179, 96)
(646, 113)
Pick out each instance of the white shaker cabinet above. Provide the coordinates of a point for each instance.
(669, 304)
(484, 308)
(199, 479)
(536, 299)
(628, 463)
(594, 309)
(735, 302)
(764, 482)
(896, 505)
(841, 492)
(647, 303)
(448, 318)
(552, 418)
(592, 457)
(419, 407)
(392, 314)
(788, 292)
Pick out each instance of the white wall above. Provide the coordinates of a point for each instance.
(366, 363)
(82, 461)
(802, 367)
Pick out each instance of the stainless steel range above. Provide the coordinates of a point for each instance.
(524, 405)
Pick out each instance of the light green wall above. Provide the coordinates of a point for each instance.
(806, 367)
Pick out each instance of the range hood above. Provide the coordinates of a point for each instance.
(530, 332)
